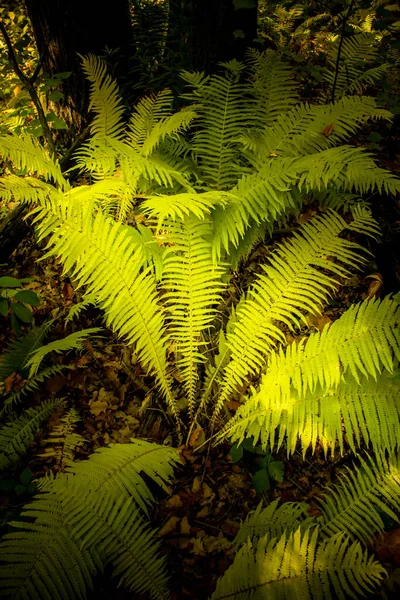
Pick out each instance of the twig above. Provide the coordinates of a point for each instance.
(346, 18)
(30, 88)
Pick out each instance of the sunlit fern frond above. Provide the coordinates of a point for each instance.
(356, 505)
(222, 115)
(298, 565)
(347, 169)
(104, 100)
(273, 84)
(101, 255)
(295, 281)
(256, 199)
(193, 286)
(179, 206)
(304, 391)
(306, 128)
(87, 519)
(273, 520)
(70, 342)
(18, 433)
(27, 155)
(25, 189)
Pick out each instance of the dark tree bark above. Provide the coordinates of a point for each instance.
(64, 28)
(212, 31)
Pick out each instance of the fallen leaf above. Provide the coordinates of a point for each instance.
(197, 438)
(174, 502)
(375, 285)
(327, 131)
(169, 526)
(196, 486)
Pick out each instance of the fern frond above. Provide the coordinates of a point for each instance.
(101, 255)
(273, 85)
(25, 189)
(76, 309)
(18, 433)
(362, 342)
(116, 471)
(27, 155)
(14, 359)
(63, 440)
(178, 206)
(273, 520)
(357, 503)
(222, 117)
(85, 520)
(193, 289)
(148, 111)
(297, 566)
(293, 283)
(104, 100)
(30, 385)
(72, 341)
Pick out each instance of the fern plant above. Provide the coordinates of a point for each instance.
(204, 184)
(93, 515)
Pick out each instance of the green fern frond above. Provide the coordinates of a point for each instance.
(222, 117)
(70, 342)
(153, 253)
(179, 206)
(193, 289)
(348, 169)
(85, 520)
(14, 359)
(301, 392)
(101, 255)
(62, 442)
(104, 100)
(29, 386)
(273, 520)
(148, 111)
(27, 155)
(25, 189)
(18, 433)
(297, 566)
(76, 309)
(357, 503)
(293, 283)
(273, 84)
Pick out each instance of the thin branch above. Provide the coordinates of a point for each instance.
(30, 88)
(346, 18)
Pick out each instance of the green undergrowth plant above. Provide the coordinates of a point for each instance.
(176, 202)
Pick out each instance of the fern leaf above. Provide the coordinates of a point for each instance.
(356, 505)
(18, 433)
(295, 565)
(178, 206)
(27, 155)
(72, 341)
(362, 342)
(103, 258)
(104, 100)
(193, 286)
(14, 359)
(291, 284)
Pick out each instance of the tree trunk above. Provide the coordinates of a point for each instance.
(65, 28)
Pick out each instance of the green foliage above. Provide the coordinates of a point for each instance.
(15, 299)
(88, 518)
(18, 433)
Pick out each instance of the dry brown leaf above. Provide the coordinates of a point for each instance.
(169, 526)
(184, 528)
(322, 322)
(197, 438)
(327, 131)
(174, 502)
(375, 285)
(196, 486)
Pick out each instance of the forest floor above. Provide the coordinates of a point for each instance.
(198, 519)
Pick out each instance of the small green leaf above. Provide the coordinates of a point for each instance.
(55, 121)
(9, 282)
(262, 462)
(375, 137)
(260, 481)
(3, 307)
(26, 476)
(28, 297)
(20, 489)
(276, 470)
(22, 312)
(248, 444)
(31, 488)
(243, 4)
(15, 323)
(55, 96)
(236, 453)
